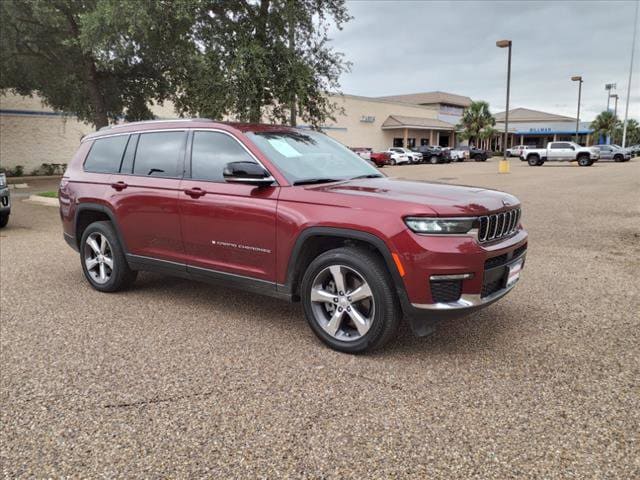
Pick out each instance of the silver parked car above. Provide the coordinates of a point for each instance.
(613, 152)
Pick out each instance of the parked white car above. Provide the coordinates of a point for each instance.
(457, 155)
(515, 151)
(414, 157)
(397, 158)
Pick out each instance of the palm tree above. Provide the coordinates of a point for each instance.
(476, 120)
(605, 125)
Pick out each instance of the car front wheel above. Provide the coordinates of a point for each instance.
(584, 161)
(103, 261)
(4, 219)
(349, 300)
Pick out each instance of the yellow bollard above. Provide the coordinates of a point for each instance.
(503, 166)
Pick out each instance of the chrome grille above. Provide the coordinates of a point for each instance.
(498, 225)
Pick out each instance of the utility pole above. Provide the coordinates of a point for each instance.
(292, 56)
(578, 78)
(503, 166)
(633, 48)
(615, 108)
(608, 87)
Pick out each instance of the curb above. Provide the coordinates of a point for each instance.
(28, 178)
(46, 201)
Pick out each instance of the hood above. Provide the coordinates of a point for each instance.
(443, 199)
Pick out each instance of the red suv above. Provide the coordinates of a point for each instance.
(289, 213)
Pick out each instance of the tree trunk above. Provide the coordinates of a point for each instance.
(292, 52)
(100, 118)
(255, 111)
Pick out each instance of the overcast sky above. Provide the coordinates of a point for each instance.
(415, 46)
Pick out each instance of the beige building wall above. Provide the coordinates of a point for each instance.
(350, 129)
(37, 135)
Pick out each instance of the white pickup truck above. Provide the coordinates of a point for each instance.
(561, 152)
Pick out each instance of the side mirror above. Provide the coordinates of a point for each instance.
(249, 173)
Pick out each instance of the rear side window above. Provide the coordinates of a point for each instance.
(211, 151)
(159, 154)
(106, 154)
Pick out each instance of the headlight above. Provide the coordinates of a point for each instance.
(3, 180)
(440, 226)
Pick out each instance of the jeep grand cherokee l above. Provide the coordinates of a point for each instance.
(289, 213)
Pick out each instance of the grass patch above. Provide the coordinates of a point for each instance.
(52, 194)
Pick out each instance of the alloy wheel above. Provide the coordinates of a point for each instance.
(342, 303)
(98, 258)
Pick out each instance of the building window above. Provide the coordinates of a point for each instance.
(411, 143)
(424, 141)
(397, 142)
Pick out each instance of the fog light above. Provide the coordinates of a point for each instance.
(444, 278)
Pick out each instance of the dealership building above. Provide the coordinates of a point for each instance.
(33, 134)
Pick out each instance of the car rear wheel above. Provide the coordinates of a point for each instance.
(4, 219)
(433, 159)
(584, 161)
(533, 160)
(349, 300)
(392, 161)
(618, 158)
(103, 261)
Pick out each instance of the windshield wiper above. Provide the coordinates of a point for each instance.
(309, 181)
(370, 175)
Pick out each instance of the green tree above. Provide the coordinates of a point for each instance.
(262, 59)
(633, 133)
(477, 122)
(96, 59)
(605, 125)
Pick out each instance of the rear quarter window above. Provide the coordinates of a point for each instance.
(105, 154)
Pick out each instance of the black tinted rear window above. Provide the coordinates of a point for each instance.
(159, 154)
(106, 154)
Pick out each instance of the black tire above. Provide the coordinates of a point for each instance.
(386, 313)
(4, 219)
(122, 277)
(618, 158)
(533, 160)
(433, 159)
(392, 162)
(585, 161)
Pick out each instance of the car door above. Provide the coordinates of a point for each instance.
(144, 195)
(227, 227)
(557, 151)
(606, 153)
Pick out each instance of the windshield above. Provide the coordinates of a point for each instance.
(304, 157)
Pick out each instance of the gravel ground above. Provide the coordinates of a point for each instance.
(182, 379)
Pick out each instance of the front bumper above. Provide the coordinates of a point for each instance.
(486, 270)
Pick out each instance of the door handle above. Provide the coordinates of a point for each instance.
(195, 192)
(119, 186)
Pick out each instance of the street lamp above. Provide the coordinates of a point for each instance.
(615, 109)
(578, 78)
(503, 166)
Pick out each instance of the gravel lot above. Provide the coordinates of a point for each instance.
(182, 379)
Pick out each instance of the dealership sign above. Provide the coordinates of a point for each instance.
(367, 118)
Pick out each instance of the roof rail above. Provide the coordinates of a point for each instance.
(142, 122)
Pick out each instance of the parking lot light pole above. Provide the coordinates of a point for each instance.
(503, 166)
(615, 108)
(578, 79)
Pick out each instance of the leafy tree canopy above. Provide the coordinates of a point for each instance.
(102, 59)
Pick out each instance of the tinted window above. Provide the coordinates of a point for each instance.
(158, 154)
(127, 160)
(211, 151)
(105, 154)
(560, 145)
